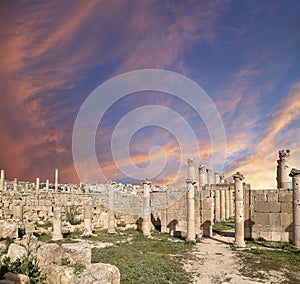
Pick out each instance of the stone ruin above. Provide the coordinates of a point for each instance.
(190, 211)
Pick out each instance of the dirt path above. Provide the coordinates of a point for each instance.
(213, 261)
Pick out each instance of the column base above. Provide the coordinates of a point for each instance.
(57, 238)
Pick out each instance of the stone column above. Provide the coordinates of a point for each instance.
(217, 178)
(239, 210)
(56, 181)
(57, 225)
(111, 208)
(283, 170)
(209, 176)
(37, 184)
(201, 170)
(222, 179)
(86, 189)
(47, 185)
(197, 212)
(2, 179)
(295, 174)
(231, 203)
(227, 204)
(15, 184)
(18, 212)
(146, 225)
(217, 205)
(223, 204)
(164, 215)
(87, 220)
(191, 200)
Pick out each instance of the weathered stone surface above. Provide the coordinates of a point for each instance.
(16, 251)
(77, 252)
(267, 207)
(99, 273)
(274, 219)
(8, 229)
(17, 278)
(60, 275)
(48, 254)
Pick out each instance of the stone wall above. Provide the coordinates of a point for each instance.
(270, 214)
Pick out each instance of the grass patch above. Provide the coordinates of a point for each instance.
(265, 256)
(144, 260)
(219, 227)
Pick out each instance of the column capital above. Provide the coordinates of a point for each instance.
(201, 169)
(238, 175)
(146, 181)
(208, 170)
(191, 162)
(284, 155)
(192, 181)
(294, 172)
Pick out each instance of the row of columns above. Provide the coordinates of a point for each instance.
(224, 206)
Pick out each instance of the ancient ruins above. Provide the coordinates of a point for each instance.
(190, 211)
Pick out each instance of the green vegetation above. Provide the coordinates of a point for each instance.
(265, 256)
(71, 215)
(222, 226)
(28, 265)
(78, 268)
(43, 225)
(143, 260)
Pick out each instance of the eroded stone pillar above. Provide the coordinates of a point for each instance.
(222, 179)
(146, 225)
(223, 204)
(87, 220)
(57, 225)
(217, 205)
(56, 181)
(283, 170)
(295, 174)
(111, 208)
(227, 204)
(2, 179)
(209, 176)
(37, 184)
(217, 178)
(47, 185)
(201, 170)
(239, 210)
(18, 212)
(15, 184)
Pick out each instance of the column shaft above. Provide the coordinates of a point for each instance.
(239, 210)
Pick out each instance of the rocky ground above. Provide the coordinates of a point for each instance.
(213, 261)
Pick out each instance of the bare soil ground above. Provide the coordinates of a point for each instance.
(213, 261)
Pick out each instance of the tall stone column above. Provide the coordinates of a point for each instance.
(164, 215)
(197, 212)
(87, 188)
(231, 203)
(217, 178)
(15, 184)
(227, 204)
(283, 170)
(223, 204)
(146, 225)
(57, 225)
(37, 184)
(87, 220)
(2, 179)
(47, 185)
(111, 208)
(239, 210)
(201, 170)
(191, 200)
(209, 176)
(217, 205)
(56, 181)
(295, 174)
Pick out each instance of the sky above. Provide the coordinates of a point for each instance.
(245, 55)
